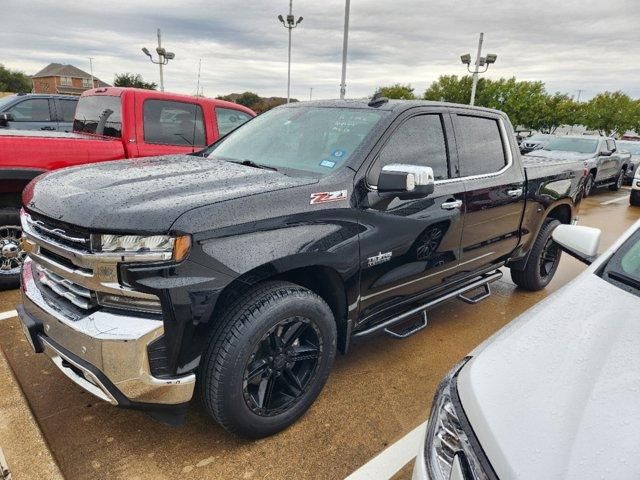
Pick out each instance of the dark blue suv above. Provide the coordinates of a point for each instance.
(30, 111)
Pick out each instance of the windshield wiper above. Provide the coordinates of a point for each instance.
(251, 163)
(626, 279)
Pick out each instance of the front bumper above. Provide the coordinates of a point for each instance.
(103, 352)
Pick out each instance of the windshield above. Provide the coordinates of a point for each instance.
(632, 147)
(623, 270)
(579, 145)
(311, 139)
(100, 115)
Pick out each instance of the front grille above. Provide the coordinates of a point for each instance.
(65, 289)
(61, 233)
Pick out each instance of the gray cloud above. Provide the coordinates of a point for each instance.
(570, 45)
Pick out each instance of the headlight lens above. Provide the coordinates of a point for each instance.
(178, 246)
(448, 446)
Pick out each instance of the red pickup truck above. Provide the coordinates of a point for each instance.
(110, 124)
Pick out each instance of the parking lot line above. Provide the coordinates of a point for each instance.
(614, 200)
(9, 314)
(393, 458)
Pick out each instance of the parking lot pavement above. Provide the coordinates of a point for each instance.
(375, 396)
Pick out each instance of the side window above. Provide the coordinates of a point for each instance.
(420, 141)
(67, 110)
(173, 123)
(33, 110)
(611, 145)
(480, 146)
(230, 119)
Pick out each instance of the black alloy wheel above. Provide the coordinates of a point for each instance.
(282, 367)
(549, 258)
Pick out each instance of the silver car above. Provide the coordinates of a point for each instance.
(556, 393)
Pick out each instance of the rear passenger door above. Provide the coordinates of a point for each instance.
(65, 113)
(170, 126)
(494, 188)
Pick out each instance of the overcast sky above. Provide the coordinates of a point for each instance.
(592, 45)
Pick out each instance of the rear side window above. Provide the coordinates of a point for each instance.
(480, 146)
(173, 123)
(420, 140)
(67, 110)
(34, 110)
(230, 119)
(100, 115)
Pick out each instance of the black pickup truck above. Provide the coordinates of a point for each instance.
(243, 269)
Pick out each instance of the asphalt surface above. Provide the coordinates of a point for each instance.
(375, 395)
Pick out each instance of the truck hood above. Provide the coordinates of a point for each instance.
(555, 394)
(146, 194)
(560, 155)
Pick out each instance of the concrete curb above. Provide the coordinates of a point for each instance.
(26, 451)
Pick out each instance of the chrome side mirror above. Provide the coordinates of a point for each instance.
(406, 180)
(578, 241)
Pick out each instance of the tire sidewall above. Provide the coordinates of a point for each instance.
(588, 183)
(9, 216)
(245, 421)
(541, 242)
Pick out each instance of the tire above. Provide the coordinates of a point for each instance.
(588, 185)
(634, 198)
(618, 185)
(245, 381)
(11, 256)
(535, 275)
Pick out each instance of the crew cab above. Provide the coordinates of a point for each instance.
(605, 164)
(33, 111)
(554, 394)
(110, 124)
(245, 269)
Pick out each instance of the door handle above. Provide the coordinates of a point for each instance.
(48, 128)
(452, 205)
(515, 193)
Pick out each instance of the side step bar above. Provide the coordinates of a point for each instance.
(483, 281)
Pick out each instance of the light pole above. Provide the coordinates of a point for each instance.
(480, 62)
(345, 46)
(163, 58)
(91, 70)
(290, 23)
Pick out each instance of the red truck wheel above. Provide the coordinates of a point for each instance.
(11, 255)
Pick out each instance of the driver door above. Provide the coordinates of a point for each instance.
(410, 246)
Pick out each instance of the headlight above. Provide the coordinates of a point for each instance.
(451, 449)
(178, 246)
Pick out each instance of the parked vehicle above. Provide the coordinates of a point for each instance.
(535, 142)
(633, 148)
(30, 111)
(246, 268)
(605, 164)
(634, 198)
(554, 394)
(110, 124)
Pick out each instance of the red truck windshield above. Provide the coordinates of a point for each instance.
(99, 115)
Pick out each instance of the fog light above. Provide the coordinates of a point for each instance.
(130, 303)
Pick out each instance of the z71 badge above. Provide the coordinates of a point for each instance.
(326, 197)
(380, 258)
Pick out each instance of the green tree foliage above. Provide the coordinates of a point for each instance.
(14, 81)
(254, 101)
(133, 80)
(611, 113)
(397, 92)
(527, 103)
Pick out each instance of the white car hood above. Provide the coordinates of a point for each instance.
(556, 394)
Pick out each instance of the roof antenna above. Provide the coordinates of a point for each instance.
(378, 100)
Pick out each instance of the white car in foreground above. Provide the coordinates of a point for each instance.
(556, 393)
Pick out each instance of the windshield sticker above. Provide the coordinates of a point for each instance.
(326, 197)
(338, 153)
(327, 163)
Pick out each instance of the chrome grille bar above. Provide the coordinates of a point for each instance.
(77, 295)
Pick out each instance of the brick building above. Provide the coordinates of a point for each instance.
(63, 79)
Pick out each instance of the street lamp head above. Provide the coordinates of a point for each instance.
(169, 55)
(281, 19)
(291, 19)
(466, 58)
(299, 20)
(145, 50)
(161, 51)
(491, 58)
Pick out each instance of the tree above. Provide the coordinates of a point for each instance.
(14, 81)
(397, 92)
(611, 113)
(558, 109)
(451, 88)
(134, 80)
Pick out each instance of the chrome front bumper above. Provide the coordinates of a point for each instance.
(103, 352)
